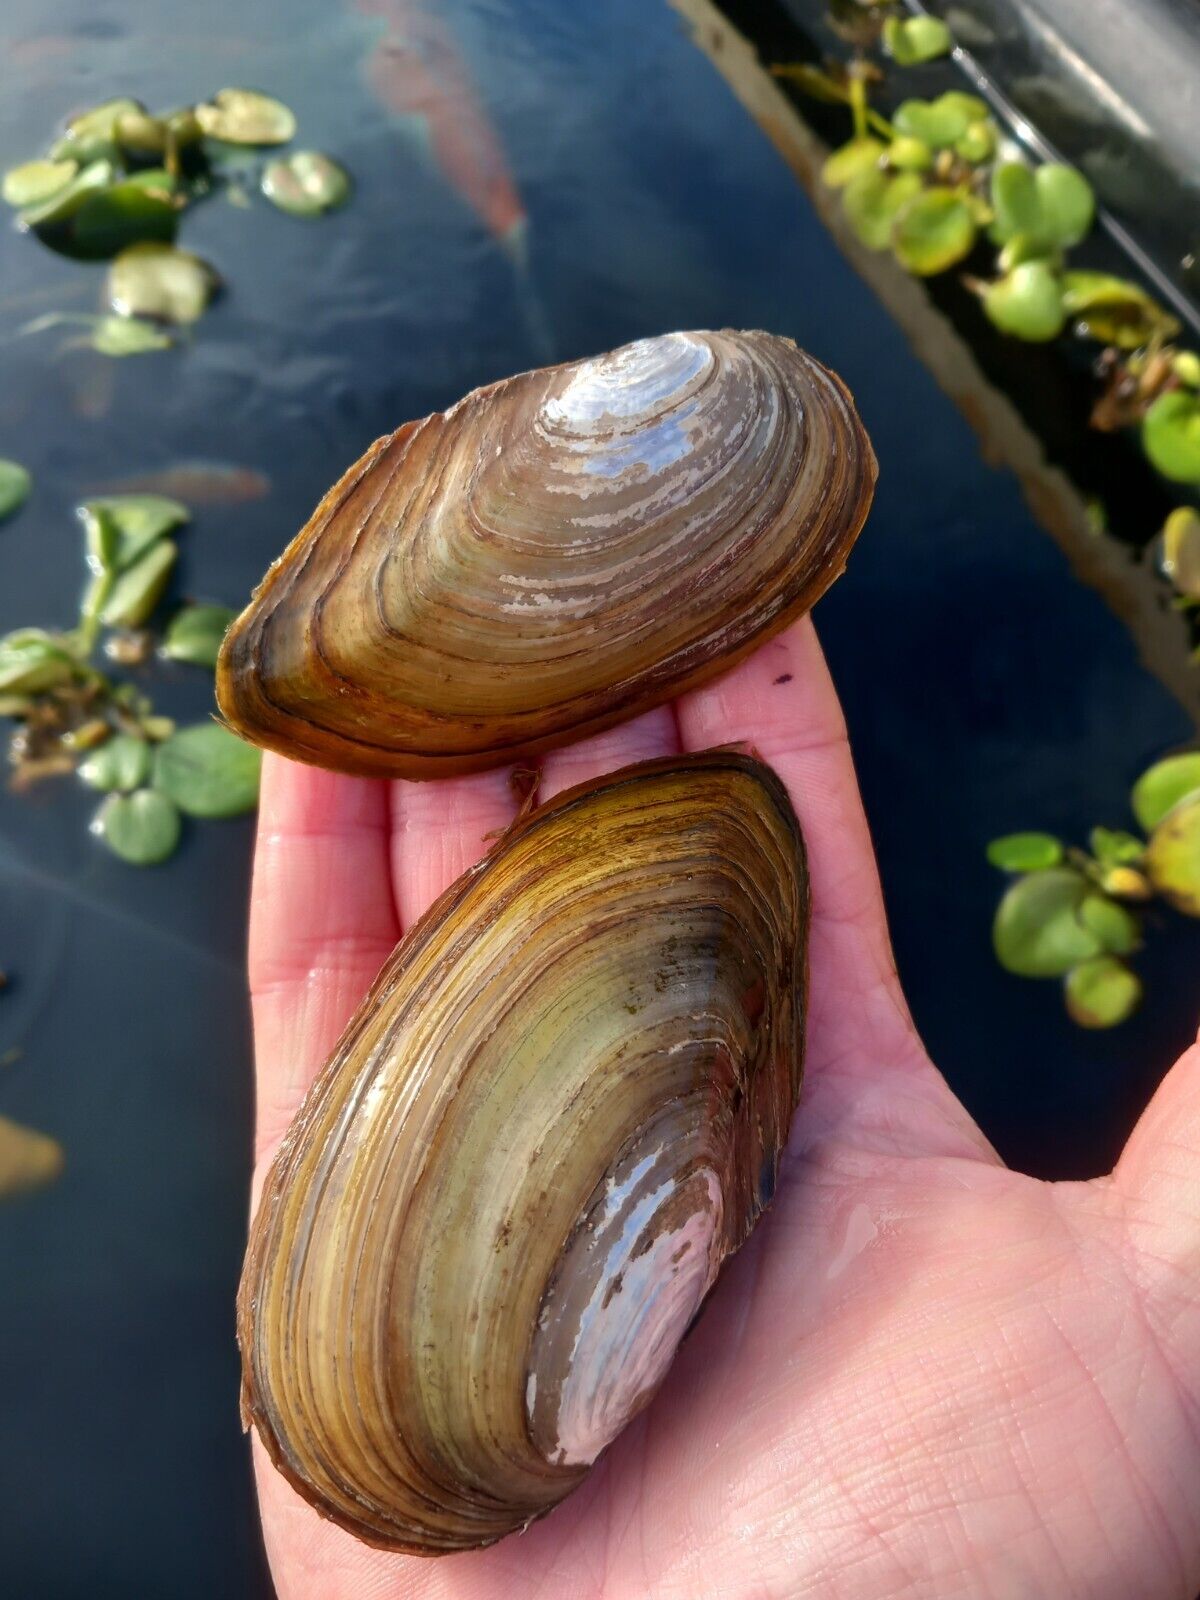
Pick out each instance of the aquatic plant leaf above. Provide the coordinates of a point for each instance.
(92, 134)
(1114, 310)
(1113, 847)
(1116, 927)
(1173, 856)
(124, 214)
(127, 336)
(1181, 550)
(1037, 932)
(159, 281)
(978, 142)
(306, 183)
(1025, 852)
(1024, 247)
(939, 122)
(244, 116)
(916, 39)
(208, 771)
(1163, 786)
(1171, 435)
(140, 520)
(1015, 202)
(846, 162)
(15, 484)
(142, 828)
(62, 205)
(140, 134)
(34, 182)
(121, 763)
(139, 588)
(932, 231)
(195, 634)
(1186, 366)
(1026, 303)
(872, 200)
(1102, 992)
(32, 661)
(1066, 203)
(906, 154)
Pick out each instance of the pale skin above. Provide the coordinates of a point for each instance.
(925, 1376)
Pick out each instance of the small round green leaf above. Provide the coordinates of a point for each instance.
(208, 771)
(1163, 786)
(1015, 202)
(1186, 366)
(978, 143)
(1026, 303)
(906, 154)
(195, 634)
(846, 162)
(159, 281)
(307, 183)
(872, 200)
(1173, 856)
(123, 215)
(142, 828)
(1025, 852)
(122, 763)
(15, 484)
(61, 206)
(93, 134)
(34, 182)
(1037, 932)
(916, 40)
(933, 231)
(244, 116)
(140, 134)
(1171, 435)
(1101, 992)
(1066, 203)
(1115, 310)
(1116, 927)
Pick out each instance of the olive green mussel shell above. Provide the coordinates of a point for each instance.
(557, 1112)
(554, 554)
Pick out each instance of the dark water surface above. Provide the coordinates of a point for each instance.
(984, 688)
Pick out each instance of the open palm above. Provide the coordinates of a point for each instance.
(925, 1375)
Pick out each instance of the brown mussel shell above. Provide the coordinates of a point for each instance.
(554, 554)
(557, 1112)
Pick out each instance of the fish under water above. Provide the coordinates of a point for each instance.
(415, 72)
(196, 483)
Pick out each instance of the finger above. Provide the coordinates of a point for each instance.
(781, 702)
(440, 829)
(654, 733)
(322, 922)
(1158, 1179)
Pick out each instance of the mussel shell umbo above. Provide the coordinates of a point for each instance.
(559, 1109)
(555, 553)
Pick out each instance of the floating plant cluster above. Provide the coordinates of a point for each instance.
(1071, 913)
(116, 183)
(72, 715)
(938, 178)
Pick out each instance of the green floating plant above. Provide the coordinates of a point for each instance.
(916, 39)
(71, 715)
(1071, 914)
(1171, 435)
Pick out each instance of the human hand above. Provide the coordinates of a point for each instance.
(924, 1376)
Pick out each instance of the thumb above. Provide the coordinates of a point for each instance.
(1158, 1180)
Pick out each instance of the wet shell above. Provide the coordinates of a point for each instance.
(556, 553)
(557, 1112)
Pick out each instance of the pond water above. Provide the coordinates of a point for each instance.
(985, 689)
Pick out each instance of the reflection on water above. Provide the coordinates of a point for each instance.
(984, 688)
